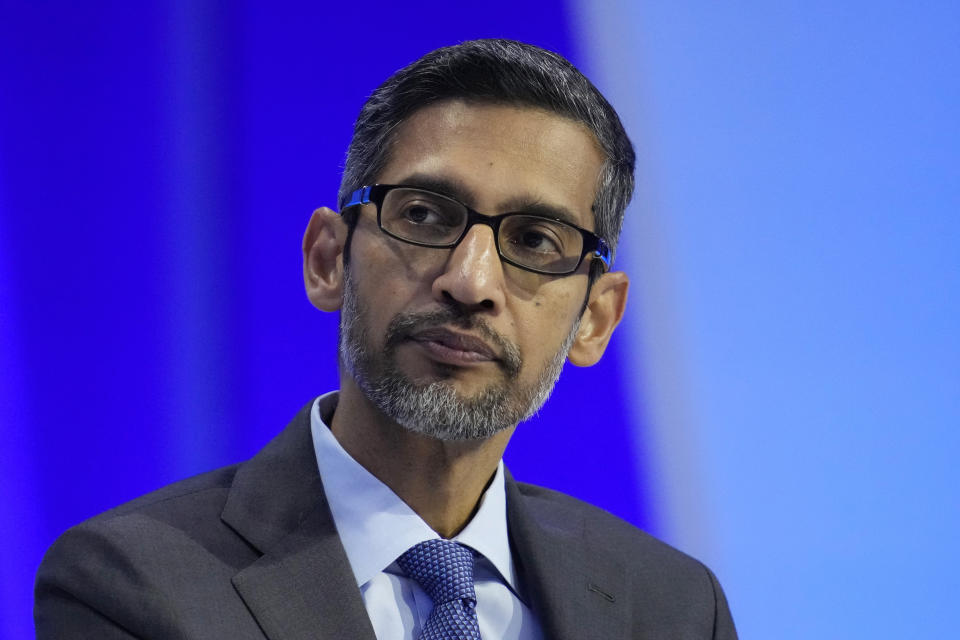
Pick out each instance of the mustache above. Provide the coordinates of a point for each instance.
(404, 326)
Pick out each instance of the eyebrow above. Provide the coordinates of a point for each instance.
(456, 189)
(450, 187)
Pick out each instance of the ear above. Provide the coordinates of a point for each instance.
(323, 243)
(608, 298)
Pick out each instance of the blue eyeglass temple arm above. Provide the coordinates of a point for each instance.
(362, 196)
(603, 252)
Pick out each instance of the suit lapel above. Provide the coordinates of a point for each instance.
(575, 590)
(302, 586)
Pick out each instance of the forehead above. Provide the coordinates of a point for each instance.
(499, 158)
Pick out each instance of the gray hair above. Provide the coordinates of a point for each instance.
(497, 71)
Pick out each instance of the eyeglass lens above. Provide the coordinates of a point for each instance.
(433, 220)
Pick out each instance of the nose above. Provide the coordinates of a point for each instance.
(473, 274)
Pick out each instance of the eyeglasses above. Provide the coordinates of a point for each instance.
(428, 219)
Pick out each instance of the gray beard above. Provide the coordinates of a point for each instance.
(435, 409)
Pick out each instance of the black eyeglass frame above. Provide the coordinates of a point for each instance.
(592, 243)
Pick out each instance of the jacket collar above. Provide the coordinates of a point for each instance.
(576, 588)
(302, 585)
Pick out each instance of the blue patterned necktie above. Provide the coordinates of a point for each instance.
(444, 570)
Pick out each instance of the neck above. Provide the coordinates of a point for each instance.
(442, 481)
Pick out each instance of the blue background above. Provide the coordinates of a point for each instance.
(783, 400)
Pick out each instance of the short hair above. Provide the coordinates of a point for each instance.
(500, 72)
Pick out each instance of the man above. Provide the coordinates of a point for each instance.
(481, 201)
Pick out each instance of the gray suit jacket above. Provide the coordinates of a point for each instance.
(251, 551)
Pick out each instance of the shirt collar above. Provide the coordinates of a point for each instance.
(376, 526)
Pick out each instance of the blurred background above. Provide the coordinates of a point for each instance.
(782, 401)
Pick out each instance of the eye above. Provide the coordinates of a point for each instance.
(535, 240)
(420, 210)
(543, 244)
(419, 213)
(421, 217)
(536, 237)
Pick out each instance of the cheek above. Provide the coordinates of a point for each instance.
(390, 271)
(397, 268)
(546, 326)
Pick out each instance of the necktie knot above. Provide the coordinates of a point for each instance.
(444, 569)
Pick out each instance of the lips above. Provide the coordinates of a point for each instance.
(458, 344)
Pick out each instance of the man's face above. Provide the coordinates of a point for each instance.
(453, 343)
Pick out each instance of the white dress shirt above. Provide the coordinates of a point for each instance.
(376, 527)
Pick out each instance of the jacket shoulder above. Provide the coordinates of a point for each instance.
(122, 570)
(649, 577)
(601, 527)
(187, 510)
(180, 494)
